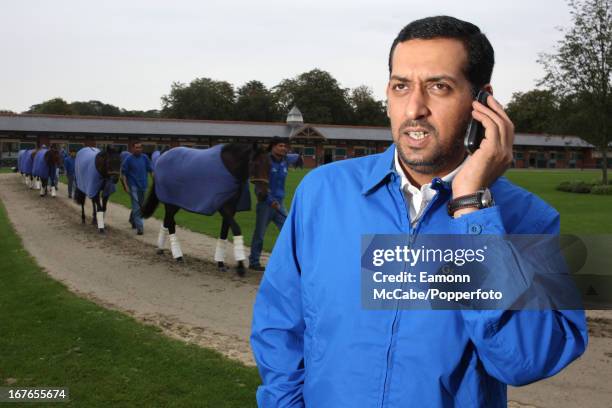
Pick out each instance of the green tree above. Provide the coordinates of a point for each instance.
(318, 96)
(94, 108)
(367, 111)
(256, 103)
(203, 98)
(535, 111)
(55, 106)
(151, 113)
(579, 70)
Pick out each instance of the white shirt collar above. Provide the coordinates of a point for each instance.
(405, 182)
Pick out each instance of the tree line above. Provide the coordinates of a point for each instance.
(317, 94)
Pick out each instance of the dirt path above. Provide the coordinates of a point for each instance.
(196, 303)
(120, 270)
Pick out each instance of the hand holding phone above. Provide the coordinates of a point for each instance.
(475, 131)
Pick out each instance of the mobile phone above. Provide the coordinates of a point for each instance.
(475, 131)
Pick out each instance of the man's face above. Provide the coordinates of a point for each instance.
(280, 149)
(137, 149)
(429, 103)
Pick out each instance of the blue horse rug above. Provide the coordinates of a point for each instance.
(198, 181)
(88, 179)
(40, 168)
(20, 156)
(28, 161)
(154, 157)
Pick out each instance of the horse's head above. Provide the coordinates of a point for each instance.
(53, 157)
(259, 168)
(108, 164)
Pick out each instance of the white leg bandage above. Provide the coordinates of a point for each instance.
(53, 191)
(38, 184)
(175, 246)
(100, 218)
(42, 191)
(220, 250)
(239, 248)
(161, 237)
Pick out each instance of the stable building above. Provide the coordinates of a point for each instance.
(318, 144)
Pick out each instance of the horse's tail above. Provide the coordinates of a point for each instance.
(79, 196)
(150, 203)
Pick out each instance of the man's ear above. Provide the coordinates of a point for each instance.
(488, 88)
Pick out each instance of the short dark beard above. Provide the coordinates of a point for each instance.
(443, 159)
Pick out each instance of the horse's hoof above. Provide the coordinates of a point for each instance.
(83, 221)
(240, 269)
(160, 252)
(222, 268)
(101, 230)
(179, 259)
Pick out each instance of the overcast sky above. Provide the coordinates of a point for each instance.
(128, 52)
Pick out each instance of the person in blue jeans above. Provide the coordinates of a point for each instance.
(270, 206)
(69, 170)
(134, 172)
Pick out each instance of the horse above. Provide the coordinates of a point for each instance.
(206, 181)
(27, 163)
(46, 163)
(96, 174)
(20, 157)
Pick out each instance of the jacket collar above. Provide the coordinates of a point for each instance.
(382, 168)
(385, 166)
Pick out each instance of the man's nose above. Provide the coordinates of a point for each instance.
(416, 107)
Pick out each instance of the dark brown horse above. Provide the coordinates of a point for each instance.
(243, 162)
(53, 161)
(96, 174)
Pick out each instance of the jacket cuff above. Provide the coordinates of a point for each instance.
(484, 221)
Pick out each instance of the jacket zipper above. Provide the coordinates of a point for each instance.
(412, 232)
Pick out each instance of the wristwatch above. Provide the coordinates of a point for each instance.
(480, 199)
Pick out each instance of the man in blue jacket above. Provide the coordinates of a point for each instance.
(69, 169)
(134, 171)
(314, 343)
(270, 206)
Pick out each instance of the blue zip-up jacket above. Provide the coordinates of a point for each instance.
(315, 345)
(276, 180)
(136, 169)
(69, 165)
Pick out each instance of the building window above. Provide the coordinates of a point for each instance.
(75, 147)
(27, 146)
(359, 151)
(309, 151)
(340, 151)
(518, 156)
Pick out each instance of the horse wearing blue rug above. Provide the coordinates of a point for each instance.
(27, 163)
(206, 181)
(44, 168)
(96, 174)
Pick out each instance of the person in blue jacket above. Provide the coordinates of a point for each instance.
(69, 170)
(135, 169)
(314, 343)
(270, 207)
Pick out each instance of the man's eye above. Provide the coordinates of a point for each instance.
(440, 86)
(399, 87)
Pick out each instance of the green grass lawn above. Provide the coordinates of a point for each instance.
(580, 213)
(51, 337)
(6, 170)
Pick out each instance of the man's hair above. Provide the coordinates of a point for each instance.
(276, 140)
(480, 55)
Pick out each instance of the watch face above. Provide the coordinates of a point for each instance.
(486, 198)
